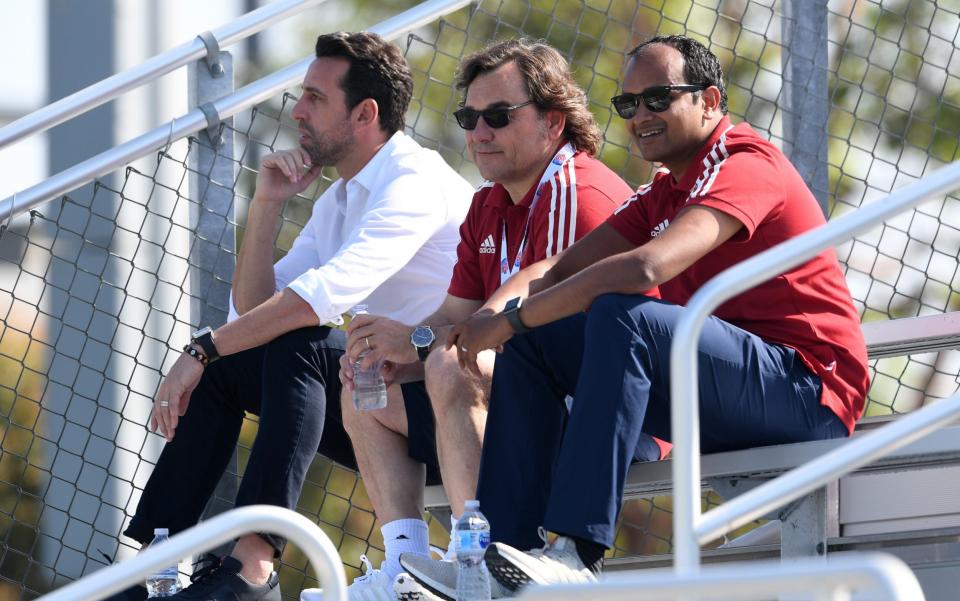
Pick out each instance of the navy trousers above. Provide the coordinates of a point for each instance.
(292, 383)
(541, 466)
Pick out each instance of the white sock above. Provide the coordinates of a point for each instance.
(403, 536)
(451, 554)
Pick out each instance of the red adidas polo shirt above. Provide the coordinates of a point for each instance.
(581, 196)
(807, 308)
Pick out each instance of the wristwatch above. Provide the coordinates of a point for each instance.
(422, 338)
(204, 339)
(512, 312)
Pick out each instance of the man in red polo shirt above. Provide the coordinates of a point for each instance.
(783, 362)
(533, 138)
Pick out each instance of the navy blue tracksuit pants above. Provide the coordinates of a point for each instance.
(566, 472)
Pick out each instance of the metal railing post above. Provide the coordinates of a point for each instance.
(213, 174)
(689, 528)
(804, 100)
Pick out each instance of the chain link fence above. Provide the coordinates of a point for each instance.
(97, 288)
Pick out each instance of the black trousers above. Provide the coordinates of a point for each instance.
(292, 383)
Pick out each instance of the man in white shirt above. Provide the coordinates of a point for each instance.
(384, 235)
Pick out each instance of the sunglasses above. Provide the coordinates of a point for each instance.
(496, 117)
(657, 99)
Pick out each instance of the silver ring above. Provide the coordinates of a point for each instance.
(164, 403)
(367, 340)
(464, 349)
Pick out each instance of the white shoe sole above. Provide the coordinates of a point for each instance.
(515, 569)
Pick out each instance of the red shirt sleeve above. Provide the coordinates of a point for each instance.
(631, 219)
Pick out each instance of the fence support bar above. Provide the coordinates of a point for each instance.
(306, 535)
(107, 89)
(194, 121)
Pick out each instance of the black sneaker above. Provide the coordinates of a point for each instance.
(134, 593)
(222, 582)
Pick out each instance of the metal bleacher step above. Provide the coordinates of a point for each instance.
(916, 547)
(933, 555)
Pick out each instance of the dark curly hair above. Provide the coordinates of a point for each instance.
(700, 66)
(377, 70)
(549, 82)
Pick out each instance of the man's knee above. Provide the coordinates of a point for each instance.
(357, 422)
(450, 387)
(293, 343)
(635, 311)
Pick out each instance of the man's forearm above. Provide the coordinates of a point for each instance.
(280, 314)
(253, 278)
(529, 281)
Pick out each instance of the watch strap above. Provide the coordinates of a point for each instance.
(512, 313)
(204, 339)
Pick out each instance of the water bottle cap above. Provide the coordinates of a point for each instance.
(159, 531)
(472, 504)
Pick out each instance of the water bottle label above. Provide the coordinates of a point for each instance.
(474, 539)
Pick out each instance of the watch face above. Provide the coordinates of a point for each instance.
(513, 303)
(422, 336)
(201, 332)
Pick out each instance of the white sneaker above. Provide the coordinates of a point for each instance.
(373, 585)
(434, 580)
(405, 588)
(554, 564)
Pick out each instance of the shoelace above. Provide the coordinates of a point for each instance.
(542, 533)
(369, 570)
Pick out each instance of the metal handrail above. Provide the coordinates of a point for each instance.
(107, 89)
(195, 120)
(688, 522)
(879, 573)
(227, 526)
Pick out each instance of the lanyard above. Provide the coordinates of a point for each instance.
(560, 159)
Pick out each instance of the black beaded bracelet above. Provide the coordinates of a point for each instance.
(195, 354)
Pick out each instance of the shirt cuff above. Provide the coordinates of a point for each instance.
(314, 293)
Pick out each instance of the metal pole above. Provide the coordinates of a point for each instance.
(111, 87)
(805, 102)
(213, 176)
(881, 576)
(306, 535)
(684, 394)
(212, 180)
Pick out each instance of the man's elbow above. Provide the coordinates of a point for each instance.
(644, 276)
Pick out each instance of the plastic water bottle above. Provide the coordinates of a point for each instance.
(165, 582)
(369, 391)
(473, 538)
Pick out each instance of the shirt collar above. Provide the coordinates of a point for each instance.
(367, 176)
(694, 170)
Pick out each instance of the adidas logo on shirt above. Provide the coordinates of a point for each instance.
(659, 229)
(488, 247)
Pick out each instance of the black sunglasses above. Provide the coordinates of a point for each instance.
(496, 117)
(657, 99)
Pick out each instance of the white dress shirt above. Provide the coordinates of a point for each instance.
(386, 238)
